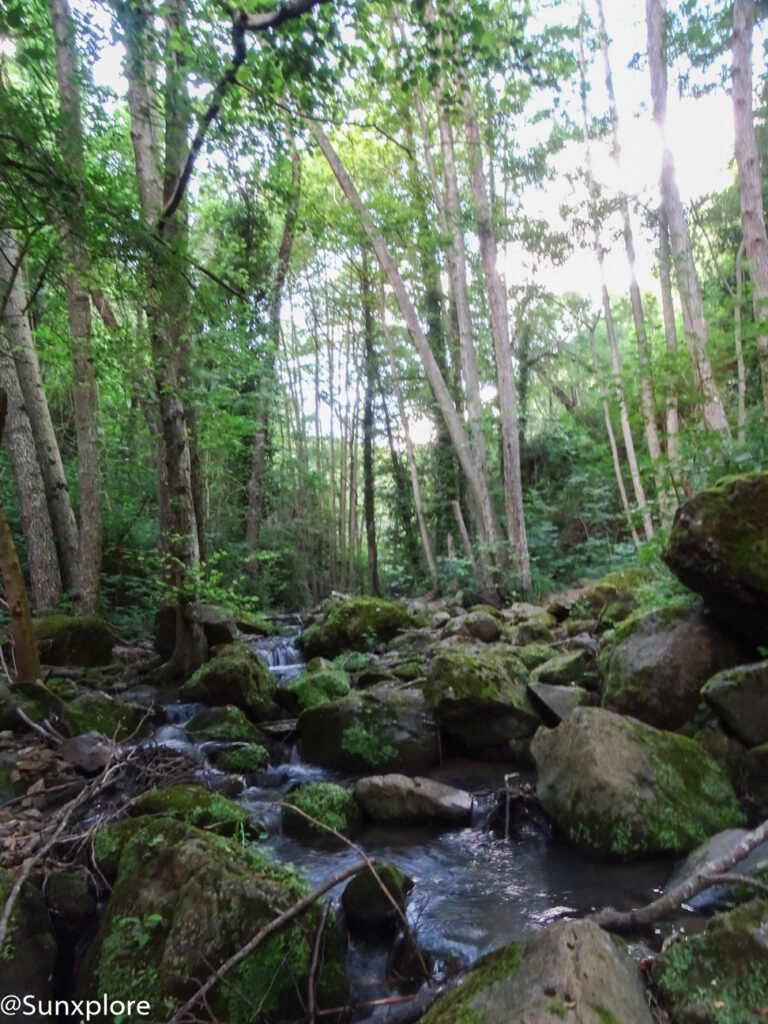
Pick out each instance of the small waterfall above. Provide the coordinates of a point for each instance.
(281, 655)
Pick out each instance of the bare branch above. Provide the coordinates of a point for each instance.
(271, 19)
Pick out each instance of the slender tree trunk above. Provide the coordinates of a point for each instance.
(750, 179)
(647, 401)
(741, 375)
(689, 289)
(476, 481)
(86, 402)
(369, 506)
(629, 445)
(426, 541)
(15, 592)
(44, 575)
(670, 337)
(502, 346)
(21, 343)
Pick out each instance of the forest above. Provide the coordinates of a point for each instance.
(384, 381)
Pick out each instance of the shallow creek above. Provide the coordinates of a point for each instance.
(473, 889)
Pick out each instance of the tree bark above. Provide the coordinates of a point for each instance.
(45, 578)
(24, 644)
(741, 375)
(475, 479)
(688, 287)
(502, 347)
(79, 313)
(670, 338)
(369, 508)
(750, 179)
(19, 333)
(629, 444)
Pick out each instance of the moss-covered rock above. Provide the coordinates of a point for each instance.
(571, 668)
(533, 654)
(571, 972)
(479, 695)
(740, 697)
(29, 950)
(719, 976)
(252, 757)
(185, 900)
(381, 728)
(113, 718)
(367, 908)
(718, 546)
(355, 623)
(235, 675)
(70, 900)
(84, 640)
(328, 803)
(316, 685)
(617, 787)
(223, 725)
(194, 805)
(478, 624)
(655, 666)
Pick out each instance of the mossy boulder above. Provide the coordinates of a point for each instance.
(70, 901)
(328, 803)
(655, 666)
(571, 668)
(720, 975)
(252, 757)
(479, 695)
(534, 654)
(235, 675)
(355, 623)
(218, 622)
(184, 901)
(367, 908)
(29, 951)
(718, 546)
(478, 624)
(113, 718)
(223, 725)
(382, 728)
(617, 787)
(83, 640)
(570, 972)
(194, 805)
(740, 697)
(555, 702)
(316, 685)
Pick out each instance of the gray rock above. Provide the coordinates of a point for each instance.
(571, 972)
(571, 668)
(89, 753)
(555, 702)
(740, 697)
(398, 798)
(718, 846)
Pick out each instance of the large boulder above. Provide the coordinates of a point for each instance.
(617, 787)
(325, 802)
(718, 546)
(382, 728)
(238, 676)
(113, 718)
(357, 624)
(719, 975)
(570, 668)
(29, 952)
(412, 801)
(740, 697)
(319, 682)
(225, 724)
(84, 640)
(655, 666)
(183, 902)
(478, 695)
(569, 973)
(368, 909)
(195, 805)
(219, 625)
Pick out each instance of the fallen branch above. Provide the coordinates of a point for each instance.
(313, 967)
(261, 936)
(708, 874)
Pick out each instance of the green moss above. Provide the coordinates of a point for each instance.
(357, 623)
(496, 675)
(224, 724)
(330, 804)
(456, 1006)
(605, 1016)
(353, 661)
(314, 688)
(364, 741)
(74, 640)
(194, 805)
(244, 760)
(96, 712)
(236, 675)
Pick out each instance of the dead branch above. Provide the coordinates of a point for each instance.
(312, 980)
(261, 936)
(616, 921)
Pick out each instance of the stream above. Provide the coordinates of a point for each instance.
(474, 890)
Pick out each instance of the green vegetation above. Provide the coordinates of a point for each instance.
(327, 803)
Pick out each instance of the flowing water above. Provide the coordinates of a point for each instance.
(473, 889)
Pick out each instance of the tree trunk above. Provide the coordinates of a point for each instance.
(19, 333)
(741, 375)
(502, 347)
(79, 312)
(369, 508)
(750, 180)
(45, 578)
(24, 645)
(670, 337)
(647, 401)
(688, 286)
(476, 481)
(629, 444)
